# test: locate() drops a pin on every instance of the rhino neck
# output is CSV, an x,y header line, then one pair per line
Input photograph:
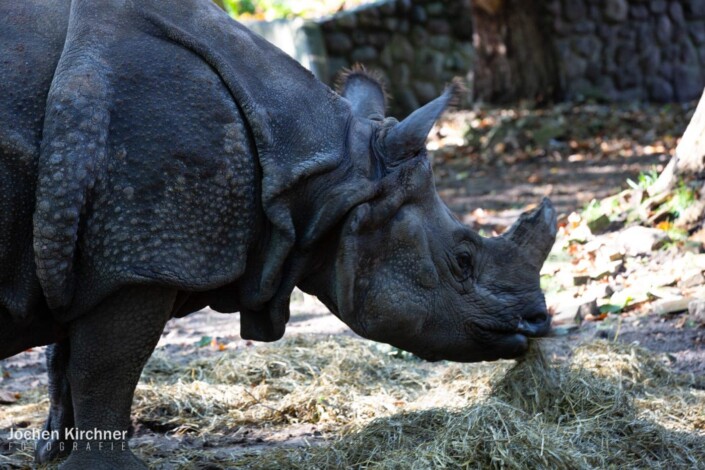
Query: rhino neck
x,y
300,130
319,278
298,124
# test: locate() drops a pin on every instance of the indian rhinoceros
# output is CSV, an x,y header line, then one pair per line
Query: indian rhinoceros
x,y
156,157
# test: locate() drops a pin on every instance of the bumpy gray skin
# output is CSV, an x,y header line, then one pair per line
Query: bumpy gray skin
x,y
156,157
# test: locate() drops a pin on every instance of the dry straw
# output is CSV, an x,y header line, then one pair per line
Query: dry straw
x,y
607,406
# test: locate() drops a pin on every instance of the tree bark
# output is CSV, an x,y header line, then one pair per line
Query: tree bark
x,y
688,163
515,58
689,158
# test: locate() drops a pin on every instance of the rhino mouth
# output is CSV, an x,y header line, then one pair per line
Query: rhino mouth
x,y
534,325
502,342
533,330
514,345
504,345
488,333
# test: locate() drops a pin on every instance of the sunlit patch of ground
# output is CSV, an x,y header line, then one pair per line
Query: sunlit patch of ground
x,y
346,403
503,160
608,405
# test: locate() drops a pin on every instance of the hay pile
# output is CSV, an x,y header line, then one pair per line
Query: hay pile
x,y
331,383
611,405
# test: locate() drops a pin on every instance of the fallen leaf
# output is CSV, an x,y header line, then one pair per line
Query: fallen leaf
x,y
204,341
610,308
8,398
217,345
599,317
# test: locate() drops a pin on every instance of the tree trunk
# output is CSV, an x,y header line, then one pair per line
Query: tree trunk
x,y
688,162
689,159
514,55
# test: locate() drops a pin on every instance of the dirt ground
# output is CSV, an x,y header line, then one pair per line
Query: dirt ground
x,y
488,195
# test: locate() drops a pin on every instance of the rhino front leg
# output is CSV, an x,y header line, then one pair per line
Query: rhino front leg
x,y
60,417
108,349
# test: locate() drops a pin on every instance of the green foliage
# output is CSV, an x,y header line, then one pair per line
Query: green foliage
x,y
683,197
549,282
592,210
611,308
674,204
618,302
644,180
261,9
276,9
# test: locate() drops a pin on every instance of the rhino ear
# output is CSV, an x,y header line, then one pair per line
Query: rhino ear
x,y
408,138
535,232
364,92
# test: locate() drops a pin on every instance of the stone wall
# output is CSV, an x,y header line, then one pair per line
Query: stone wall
x,y
622,50
418,46
611,50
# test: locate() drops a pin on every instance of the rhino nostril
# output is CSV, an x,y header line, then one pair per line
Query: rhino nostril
x,y
536,318
534,324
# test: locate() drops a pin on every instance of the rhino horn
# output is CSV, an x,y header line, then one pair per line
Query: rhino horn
x,y
535,232
408,138
364,92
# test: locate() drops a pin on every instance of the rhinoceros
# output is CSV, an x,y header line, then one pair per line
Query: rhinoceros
x,y
156,157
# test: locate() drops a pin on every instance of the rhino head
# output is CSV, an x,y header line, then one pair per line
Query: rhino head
x,y
407,272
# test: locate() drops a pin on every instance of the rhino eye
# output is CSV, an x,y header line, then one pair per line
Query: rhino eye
x,y
464,261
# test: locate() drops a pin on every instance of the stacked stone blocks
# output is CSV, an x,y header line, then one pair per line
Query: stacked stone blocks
x,y
624,50
419,46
